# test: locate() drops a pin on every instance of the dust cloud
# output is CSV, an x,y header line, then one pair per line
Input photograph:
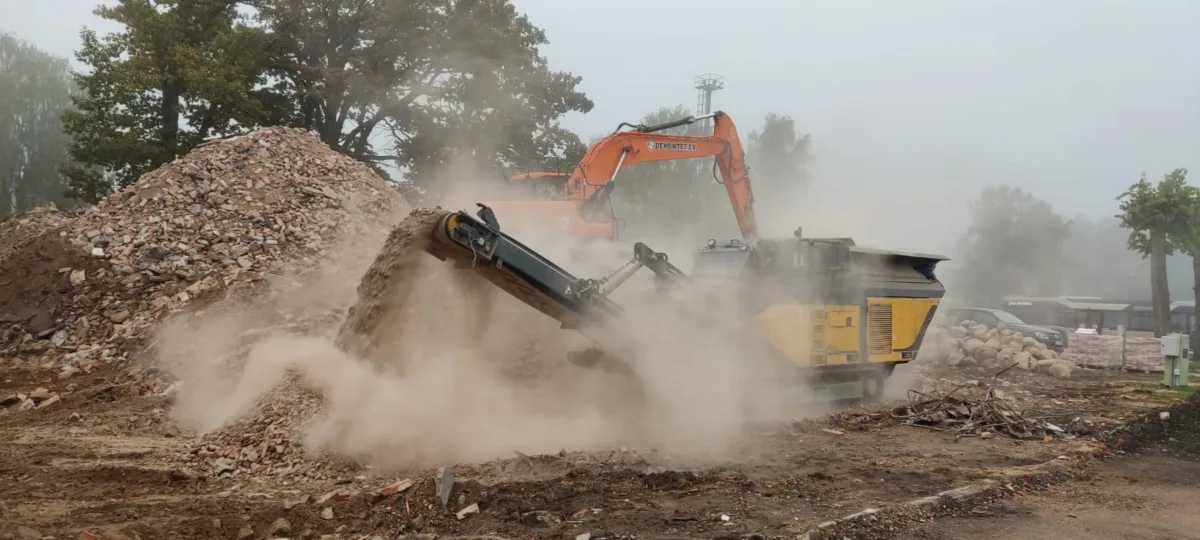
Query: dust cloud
x,y
431,365
431,371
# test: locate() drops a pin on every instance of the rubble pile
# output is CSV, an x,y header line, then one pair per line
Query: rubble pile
x,y
36,399
268,441
228,214
973,344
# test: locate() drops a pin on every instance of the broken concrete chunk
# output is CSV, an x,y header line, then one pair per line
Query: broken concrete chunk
x,y
398,486
332,496
280,527
472,509
292,503
49,401
224,465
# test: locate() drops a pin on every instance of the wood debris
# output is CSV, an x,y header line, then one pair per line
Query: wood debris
x,y
955,412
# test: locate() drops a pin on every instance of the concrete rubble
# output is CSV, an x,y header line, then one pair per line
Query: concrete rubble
x,y
227,218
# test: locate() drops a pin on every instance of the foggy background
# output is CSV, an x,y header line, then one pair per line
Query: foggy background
x,y
914,107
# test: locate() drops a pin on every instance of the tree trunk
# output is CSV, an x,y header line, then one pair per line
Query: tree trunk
x,y
169,116
1195,329
1159,292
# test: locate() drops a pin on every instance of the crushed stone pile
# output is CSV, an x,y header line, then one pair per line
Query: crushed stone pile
x,y
268,441
224,217
387,286
974,344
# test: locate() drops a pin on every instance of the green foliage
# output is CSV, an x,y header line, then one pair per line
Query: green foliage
x,y
1185,237
451,82
1167,208
1014,246
1158,218
180,71
778,158
35,88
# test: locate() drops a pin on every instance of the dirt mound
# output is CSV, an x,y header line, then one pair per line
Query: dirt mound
x,y
1175,430
39,271
19,228
38,287
225,217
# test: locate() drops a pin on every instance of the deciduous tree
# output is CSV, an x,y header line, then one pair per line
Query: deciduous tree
x,y
778,157
1014,246
35,87
444,81
1186,238
1155,215
178,72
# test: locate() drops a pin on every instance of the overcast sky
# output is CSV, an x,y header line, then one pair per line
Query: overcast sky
x,y
913,105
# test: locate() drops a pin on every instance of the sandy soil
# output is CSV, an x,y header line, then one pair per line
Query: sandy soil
x,y
107,460
1127,498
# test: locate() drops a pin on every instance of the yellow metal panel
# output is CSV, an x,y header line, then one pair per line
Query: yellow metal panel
x,y
842,333
907,316
811,335
786,328
817,335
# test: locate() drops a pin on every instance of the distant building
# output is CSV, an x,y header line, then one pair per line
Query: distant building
x,y
1104,314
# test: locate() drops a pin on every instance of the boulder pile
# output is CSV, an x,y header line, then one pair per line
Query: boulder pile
x,y
973,344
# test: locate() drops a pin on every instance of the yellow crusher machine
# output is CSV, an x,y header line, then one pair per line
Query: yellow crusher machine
x,y
842,316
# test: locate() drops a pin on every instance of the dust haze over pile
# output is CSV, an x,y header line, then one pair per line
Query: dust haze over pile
x,y
450,369
463,373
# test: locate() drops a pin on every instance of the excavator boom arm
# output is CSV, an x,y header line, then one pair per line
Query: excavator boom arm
x,y
596,171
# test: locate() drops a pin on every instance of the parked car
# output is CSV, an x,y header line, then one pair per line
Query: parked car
x,y
1054,339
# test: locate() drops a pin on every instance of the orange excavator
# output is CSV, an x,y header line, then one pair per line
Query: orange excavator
x,y
580,206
